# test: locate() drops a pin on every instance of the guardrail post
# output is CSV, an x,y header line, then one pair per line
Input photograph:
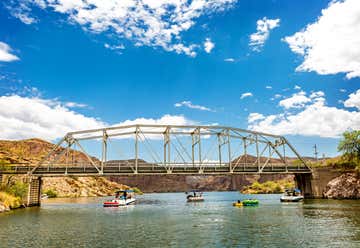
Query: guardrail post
x,y
104,151
229,151
257,152
136,149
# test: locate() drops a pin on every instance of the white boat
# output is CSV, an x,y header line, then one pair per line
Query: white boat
x,y
194,196
292,195
122,198
44,196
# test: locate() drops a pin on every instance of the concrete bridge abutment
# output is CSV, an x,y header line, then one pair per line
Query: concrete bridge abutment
x,y
314,185
34,192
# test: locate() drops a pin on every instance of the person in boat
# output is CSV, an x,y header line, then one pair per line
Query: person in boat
x,y
239,201
117,195
125,195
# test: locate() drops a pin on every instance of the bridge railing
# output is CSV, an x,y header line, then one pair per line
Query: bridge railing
x,y
144,167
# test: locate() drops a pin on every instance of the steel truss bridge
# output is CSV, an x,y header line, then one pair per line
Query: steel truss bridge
x,y
167,149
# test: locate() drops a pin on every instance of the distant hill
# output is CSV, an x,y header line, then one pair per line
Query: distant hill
x,y
32,151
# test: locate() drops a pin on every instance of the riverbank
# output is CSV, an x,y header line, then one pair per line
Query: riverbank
x,y
13,190
268,187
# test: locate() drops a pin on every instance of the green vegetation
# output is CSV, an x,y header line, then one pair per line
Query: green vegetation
x,y
10,201
5,165
18,189
269,187
12,192
51,193
137,191
350,147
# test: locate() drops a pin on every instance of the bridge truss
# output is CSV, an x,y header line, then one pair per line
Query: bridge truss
x,y
169,149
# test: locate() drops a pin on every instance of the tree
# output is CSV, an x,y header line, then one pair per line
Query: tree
x,y
350,145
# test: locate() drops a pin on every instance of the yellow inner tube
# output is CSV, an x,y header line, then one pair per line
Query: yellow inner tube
x,y
237,204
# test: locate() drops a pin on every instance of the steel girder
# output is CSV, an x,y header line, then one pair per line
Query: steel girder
x,y
238,150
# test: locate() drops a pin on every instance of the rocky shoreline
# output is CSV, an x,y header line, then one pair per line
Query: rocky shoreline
x,y
346,186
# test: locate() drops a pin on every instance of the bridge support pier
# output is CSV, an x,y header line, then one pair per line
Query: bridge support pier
x,y
34,192
303,182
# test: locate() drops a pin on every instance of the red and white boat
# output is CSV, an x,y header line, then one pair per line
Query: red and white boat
x,y
122,198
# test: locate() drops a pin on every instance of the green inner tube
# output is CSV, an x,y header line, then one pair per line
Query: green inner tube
x,y
250,202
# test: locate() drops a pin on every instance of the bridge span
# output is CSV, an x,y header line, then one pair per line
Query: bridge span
x,y
165,149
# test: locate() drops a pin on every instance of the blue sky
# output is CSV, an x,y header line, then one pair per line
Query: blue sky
x,y
68,61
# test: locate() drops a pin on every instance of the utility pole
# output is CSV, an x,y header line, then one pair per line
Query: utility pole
x,y
315,152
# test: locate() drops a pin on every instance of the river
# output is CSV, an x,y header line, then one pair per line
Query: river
x,y
166,220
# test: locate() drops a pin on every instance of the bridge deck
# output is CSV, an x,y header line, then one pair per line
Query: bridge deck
x,y
148,170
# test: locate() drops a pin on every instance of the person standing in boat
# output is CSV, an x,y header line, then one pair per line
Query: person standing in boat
x,y
125,195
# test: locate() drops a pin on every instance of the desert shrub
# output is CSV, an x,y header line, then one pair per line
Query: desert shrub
x,y
9,200
137,191
51,193
268,187
18,189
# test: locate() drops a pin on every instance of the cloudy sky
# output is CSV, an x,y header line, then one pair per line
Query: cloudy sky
x,y
285,67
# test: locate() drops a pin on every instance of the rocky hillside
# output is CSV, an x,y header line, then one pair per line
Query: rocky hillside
x,y
33,150
81,186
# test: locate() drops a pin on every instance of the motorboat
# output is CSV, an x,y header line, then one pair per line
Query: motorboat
x,y
44,196
194,196
122,198
292,195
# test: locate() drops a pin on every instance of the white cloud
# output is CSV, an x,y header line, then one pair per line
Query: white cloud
x,y
24,117
246,94
268,87
29,117
114,47
297,87
353,100
255,117
342,90
208,45
276,96
264,26
5,53
75,105
159,23
331,44
229,60
314,119
297,100
164,120
189,104
317,94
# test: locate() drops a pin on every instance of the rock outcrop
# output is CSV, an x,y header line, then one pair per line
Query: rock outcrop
x,y
3,208
346,186
81,186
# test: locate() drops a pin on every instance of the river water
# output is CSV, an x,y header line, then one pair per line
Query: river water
x,y
166,220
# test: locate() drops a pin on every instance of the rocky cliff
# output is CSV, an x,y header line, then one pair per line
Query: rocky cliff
x,y
81,186
346,186
178,183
